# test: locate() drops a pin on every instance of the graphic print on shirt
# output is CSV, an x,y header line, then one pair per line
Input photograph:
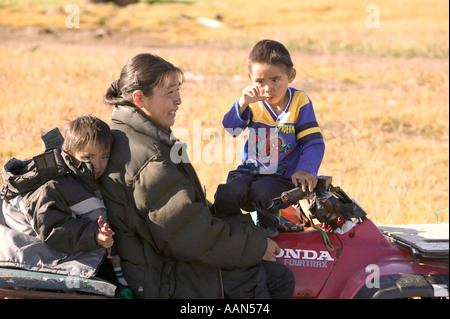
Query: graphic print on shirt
x,y
266,146
262,148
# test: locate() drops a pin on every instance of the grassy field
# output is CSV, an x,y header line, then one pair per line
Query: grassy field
x,y
381,94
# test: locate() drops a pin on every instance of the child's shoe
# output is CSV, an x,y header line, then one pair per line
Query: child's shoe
x,y
124,292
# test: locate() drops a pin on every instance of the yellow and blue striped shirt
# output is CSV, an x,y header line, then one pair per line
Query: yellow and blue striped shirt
x,y
280,144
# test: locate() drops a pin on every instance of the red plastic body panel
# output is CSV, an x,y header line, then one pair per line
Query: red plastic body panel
x,y
321,273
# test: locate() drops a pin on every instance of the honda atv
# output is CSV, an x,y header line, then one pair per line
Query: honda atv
x,y
345,255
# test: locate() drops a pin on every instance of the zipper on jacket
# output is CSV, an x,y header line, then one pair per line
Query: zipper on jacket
x,y
172,280
221,292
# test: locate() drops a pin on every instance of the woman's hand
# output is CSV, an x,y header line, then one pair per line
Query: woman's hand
x,y
272,250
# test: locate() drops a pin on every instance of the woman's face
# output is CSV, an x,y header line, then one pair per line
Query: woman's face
x,y
162,106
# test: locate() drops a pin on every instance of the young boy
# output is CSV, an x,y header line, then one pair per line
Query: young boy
x,y
89,139
58,221
284,148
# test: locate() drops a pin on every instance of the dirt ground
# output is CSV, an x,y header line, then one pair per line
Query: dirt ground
x,y
34,38
26,38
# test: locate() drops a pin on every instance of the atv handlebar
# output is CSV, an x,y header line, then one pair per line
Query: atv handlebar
x,y
329,203
296,194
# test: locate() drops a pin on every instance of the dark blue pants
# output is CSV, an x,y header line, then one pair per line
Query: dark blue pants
x,y
252,192
264,280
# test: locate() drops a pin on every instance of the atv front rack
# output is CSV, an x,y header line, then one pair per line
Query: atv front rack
x,y
426,241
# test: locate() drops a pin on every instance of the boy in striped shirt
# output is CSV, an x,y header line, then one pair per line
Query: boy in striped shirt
x,y
284,147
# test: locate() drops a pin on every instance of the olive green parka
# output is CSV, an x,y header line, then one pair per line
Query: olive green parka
x,y
170,244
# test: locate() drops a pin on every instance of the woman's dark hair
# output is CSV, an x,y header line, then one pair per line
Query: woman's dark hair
x,y
270,52
143,72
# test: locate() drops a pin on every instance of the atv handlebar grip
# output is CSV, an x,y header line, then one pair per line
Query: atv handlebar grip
x,y
293,195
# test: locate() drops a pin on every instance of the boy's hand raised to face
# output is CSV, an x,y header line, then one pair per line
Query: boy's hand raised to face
x,y
249,95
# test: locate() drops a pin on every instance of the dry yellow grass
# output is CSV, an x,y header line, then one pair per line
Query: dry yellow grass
x,y
380,95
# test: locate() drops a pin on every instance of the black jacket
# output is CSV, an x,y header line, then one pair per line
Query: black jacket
x,y
52,228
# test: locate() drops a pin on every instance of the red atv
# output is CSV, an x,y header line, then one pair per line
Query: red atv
x,y
347,256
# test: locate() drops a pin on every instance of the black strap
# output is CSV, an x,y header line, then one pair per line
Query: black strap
x,y
53,139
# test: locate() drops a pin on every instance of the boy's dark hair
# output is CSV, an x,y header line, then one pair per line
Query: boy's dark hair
x,y
270,52
84,131
143,72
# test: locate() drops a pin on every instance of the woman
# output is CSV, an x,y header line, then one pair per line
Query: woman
x,y
170,244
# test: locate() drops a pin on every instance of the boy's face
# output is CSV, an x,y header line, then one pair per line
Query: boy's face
x,y
272,81
97,156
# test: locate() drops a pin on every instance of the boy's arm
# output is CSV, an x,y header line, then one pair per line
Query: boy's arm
x,y
239,116
311,156
55,225
234,122
309,136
